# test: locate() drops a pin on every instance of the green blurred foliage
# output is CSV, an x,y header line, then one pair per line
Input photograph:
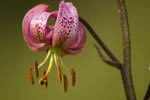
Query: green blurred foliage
x,y
95,79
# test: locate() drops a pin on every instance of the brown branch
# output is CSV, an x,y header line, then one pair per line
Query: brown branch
x,y
99,41
126,70
106,60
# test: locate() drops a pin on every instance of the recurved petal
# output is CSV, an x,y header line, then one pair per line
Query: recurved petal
x,y
79,44
26,27
39,29
66,26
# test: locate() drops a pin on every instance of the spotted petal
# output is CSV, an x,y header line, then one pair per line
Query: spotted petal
x,y
66,26
79,44
37,34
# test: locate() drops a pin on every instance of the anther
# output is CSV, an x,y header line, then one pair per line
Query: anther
x,y
73,77
36,69
65,83
30,75
59,73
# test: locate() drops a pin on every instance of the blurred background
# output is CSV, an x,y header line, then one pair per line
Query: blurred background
x,y
95,79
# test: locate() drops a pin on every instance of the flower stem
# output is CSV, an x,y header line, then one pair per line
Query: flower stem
x,y
99,41
126,69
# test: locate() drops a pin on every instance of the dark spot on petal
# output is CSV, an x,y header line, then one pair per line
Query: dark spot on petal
x,y
64,18
60,13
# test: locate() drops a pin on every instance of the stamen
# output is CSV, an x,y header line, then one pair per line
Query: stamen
x,y
73,76
65,83
36,69
30,75
58,67
46,58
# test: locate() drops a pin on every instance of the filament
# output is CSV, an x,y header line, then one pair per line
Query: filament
x,y
59,56
58,67
46,58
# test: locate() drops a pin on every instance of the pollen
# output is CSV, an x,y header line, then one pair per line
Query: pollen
x,y
73,77
36,69
65,83
30,75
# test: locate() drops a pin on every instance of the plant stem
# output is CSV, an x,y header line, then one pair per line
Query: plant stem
x,y
126,69
128,83
99,41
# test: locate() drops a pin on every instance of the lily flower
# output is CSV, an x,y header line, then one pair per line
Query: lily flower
x,y
66,37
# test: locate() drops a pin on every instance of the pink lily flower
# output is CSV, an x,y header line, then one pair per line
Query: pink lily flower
x,y
67,36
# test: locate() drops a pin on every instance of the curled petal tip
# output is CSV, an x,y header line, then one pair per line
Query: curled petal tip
x,y
26,27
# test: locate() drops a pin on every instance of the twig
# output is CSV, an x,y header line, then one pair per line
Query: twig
x,y
99,41
126,70
106,60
